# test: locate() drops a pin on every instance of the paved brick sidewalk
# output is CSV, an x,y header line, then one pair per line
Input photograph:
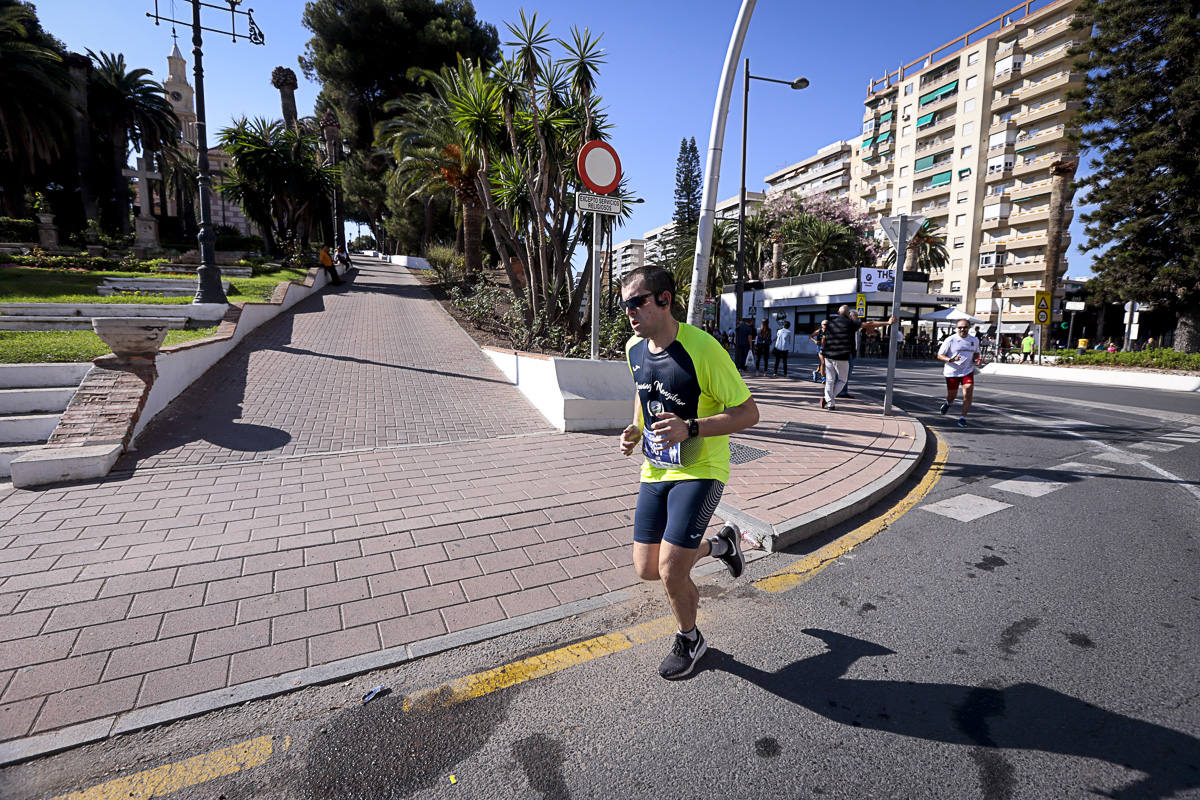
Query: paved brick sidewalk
x,y
151,594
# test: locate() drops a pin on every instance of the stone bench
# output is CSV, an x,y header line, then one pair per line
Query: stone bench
x,y
167,287
78,316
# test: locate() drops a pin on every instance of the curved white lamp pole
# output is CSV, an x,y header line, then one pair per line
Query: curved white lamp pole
x,y
712,167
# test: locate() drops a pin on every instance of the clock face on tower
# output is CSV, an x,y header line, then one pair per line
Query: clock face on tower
x,y
176,96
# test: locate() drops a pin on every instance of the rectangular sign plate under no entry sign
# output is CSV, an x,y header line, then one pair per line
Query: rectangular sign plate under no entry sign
x,y
598,204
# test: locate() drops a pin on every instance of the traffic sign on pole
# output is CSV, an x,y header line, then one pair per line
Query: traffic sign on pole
x,y
599,166
860,304
1041,307
891,226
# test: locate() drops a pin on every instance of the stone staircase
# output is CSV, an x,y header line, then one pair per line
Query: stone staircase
x,y
78,316
32,399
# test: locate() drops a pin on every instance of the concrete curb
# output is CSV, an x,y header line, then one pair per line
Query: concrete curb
x,y
96,730
788,532
1101,377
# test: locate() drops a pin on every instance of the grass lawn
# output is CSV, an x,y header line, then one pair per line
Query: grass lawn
x,y
31,285
36,347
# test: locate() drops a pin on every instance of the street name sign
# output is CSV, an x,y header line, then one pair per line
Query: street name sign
x,y
1041,307
598,204
948,298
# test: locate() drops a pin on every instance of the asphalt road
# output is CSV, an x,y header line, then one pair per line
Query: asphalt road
x,y
1027,630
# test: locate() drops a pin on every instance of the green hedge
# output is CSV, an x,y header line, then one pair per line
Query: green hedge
x,y
1161,358
17,230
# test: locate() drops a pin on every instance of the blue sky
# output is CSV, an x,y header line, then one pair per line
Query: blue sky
x,y
664,60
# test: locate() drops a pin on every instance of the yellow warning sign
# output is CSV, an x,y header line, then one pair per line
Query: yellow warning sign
x,y
860,304
1041,304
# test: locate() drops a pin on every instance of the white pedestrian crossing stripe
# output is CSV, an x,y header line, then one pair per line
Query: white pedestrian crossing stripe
x,y
1029,485
1086,469
1155,447
1119,457
1181,437
966,507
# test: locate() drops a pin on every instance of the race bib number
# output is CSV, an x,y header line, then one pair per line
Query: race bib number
x,y
659,456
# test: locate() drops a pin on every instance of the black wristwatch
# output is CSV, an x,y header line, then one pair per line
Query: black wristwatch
x,y
693,428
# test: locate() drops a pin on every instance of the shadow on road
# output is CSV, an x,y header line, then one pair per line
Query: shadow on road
x,y
1023,716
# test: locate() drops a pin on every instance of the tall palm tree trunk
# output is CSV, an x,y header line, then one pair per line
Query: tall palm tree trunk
x,y
472,229
1061,173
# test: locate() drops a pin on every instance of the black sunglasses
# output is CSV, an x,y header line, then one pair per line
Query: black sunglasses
x,y
637,301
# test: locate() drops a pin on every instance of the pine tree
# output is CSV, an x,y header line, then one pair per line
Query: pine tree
x,y
1141,114
686,219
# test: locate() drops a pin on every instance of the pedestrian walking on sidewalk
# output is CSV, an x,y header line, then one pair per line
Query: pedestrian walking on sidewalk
x,y
783,347
743,338
689,398
818,338
762,347
1027,348
959,352
839,349
327,265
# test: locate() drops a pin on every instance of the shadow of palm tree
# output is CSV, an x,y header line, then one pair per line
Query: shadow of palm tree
x,y
1023,716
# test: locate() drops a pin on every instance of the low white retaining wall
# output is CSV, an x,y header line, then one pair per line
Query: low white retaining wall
x,y
573,394
1101,377
412,262
179,366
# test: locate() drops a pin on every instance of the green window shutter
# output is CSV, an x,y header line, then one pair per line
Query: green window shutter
x,y
883,137
1027,149
925,120
941,179
884,118
923,163
964,173
868,142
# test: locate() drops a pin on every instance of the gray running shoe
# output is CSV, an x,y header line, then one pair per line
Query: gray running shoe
x,y
945,407
734,560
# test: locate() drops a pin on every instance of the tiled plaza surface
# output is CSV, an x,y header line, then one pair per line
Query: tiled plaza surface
x,y
370,520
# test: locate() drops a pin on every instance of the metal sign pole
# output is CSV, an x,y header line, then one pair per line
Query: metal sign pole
x,y
897,293
595,290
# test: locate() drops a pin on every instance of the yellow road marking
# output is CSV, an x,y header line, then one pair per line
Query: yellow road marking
x,y
792,576
488,681
182,774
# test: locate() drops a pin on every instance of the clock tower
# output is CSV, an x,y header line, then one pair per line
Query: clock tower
x,y
179,93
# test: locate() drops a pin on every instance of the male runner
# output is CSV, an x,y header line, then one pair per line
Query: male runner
x,y
690,397
959,352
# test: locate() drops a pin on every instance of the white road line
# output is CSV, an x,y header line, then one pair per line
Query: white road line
x,y
1191,488
966,507
1029,485
1155,447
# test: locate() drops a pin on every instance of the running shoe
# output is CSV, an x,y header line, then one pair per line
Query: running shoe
x,y
945,407
734,560
684,654
962,422
822,402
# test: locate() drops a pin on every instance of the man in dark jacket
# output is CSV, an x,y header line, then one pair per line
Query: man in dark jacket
x,y
743,339
839,347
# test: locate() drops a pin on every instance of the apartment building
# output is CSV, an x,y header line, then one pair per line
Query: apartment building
x,y
826,171
633,253
965,136
628,255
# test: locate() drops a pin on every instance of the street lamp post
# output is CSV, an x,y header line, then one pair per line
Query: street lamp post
x,y
798,83
334,149
208,275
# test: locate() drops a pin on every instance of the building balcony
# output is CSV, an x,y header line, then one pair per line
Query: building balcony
x,y
933,207
932,143
1028,166
1007,76
994,246
1055,82
1058,53
1042,136
937,126
993,223
1002,147
1005,100
938,75
985,271
932,191
1003,126
998,172
879,166
945,101
1040,215
1027,266
936,165
879,204
1047,33
1046,111
1030,190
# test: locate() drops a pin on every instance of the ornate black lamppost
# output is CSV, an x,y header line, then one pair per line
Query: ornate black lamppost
x,y
334,149
209,274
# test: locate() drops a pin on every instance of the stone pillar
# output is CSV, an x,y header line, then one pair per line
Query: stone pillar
x,y
47,232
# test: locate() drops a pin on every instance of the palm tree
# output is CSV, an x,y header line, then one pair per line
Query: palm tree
x,y
36,112
130,109
926,250
431,159
278,177
811,244
1061,173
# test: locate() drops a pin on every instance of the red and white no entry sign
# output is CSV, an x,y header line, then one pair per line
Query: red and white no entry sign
x,y
599,167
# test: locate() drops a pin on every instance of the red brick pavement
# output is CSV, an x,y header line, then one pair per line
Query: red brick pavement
x,y
169,583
